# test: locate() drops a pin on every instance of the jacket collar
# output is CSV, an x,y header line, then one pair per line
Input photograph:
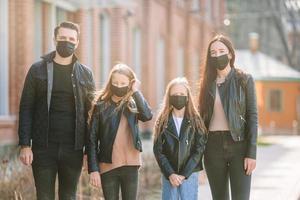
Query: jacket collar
x,y
212,90
50,56
171,127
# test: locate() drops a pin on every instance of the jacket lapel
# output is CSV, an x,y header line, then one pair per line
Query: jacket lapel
x,y
171,128
183,127
50,82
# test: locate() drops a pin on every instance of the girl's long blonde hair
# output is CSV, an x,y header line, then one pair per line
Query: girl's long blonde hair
x,y
105,93
191,111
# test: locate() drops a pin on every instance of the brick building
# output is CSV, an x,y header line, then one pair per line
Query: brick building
x,y
159,39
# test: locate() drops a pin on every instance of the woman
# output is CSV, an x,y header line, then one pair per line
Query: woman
x,y
179,142
228,107
114,144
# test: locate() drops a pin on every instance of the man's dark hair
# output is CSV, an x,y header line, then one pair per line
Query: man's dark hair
x,y
69,25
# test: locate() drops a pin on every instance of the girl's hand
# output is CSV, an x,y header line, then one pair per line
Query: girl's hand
x,y
95,179
175,180
135,85
182,178
249,165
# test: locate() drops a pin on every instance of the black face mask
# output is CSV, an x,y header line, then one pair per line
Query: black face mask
x,y
220,62
119,91
65,48
178,101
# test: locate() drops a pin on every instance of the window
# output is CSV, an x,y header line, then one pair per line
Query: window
x,y
160,70
196,68
4,105
137,52
208,5
275,100
180,61
105,48
195,6
38,29
61,15
90,40
180,3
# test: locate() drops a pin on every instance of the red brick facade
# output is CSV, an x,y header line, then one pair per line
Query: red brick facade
x,y
175,23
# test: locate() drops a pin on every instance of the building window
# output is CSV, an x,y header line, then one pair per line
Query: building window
x,y
137,52
160,70
180,3
180,61
275,100
105,48
38,42
61,15
4,85
90,40
196,68
195,6
208,5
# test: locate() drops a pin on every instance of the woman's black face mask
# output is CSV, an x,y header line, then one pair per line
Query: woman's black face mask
x,y
220,62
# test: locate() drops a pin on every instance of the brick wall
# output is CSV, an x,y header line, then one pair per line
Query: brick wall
x,y
155,18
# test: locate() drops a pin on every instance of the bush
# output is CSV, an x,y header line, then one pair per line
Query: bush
x,y
16,180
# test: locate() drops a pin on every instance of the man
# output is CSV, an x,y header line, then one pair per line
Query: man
x,y
54,106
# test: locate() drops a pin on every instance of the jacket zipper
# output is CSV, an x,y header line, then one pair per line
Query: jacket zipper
x,y
242,118
178,148
76,103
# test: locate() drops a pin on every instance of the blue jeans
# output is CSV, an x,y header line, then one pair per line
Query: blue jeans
x,y
188,190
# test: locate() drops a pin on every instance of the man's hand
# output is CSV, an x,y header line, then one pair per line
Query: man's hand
x,y
26,155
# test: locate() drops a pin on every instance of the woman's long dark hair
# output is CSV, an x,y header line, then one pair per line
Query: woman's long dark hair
x,y
209,75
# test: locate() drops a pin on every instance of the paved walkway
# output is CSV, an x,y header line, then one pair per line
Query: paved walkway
x,y
277,175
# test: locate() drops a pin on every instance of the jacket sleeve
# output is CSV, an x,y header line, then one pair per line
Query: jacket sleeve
x,y
161,158
93,141
197,154
88,103
143,107
26,110
251,119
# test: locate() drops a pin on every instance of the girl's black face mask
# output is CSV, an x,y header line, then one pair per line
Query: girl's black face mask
x,y
220,62
119,91
178,101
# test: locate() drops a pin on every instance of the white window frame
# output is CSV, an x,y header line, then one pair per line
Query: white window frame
x,y
160,69
4,75
105,47
38,38
137,52
180,61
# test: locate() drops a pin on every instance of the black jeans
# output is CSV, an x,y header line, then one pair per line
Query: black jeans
x,y
57,159
125,177
224,162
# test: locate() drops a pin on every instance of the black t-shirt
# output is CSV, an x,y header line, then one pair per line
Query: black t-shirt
x,y
62,105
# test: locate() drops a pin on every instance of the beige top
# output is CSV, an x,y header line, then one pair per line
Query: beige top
x,y
124,153
218,121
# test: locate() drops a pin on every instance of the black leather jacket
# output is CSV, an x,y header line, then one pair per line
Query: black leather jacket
x,y
36,97
104,126
238,98
181,155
